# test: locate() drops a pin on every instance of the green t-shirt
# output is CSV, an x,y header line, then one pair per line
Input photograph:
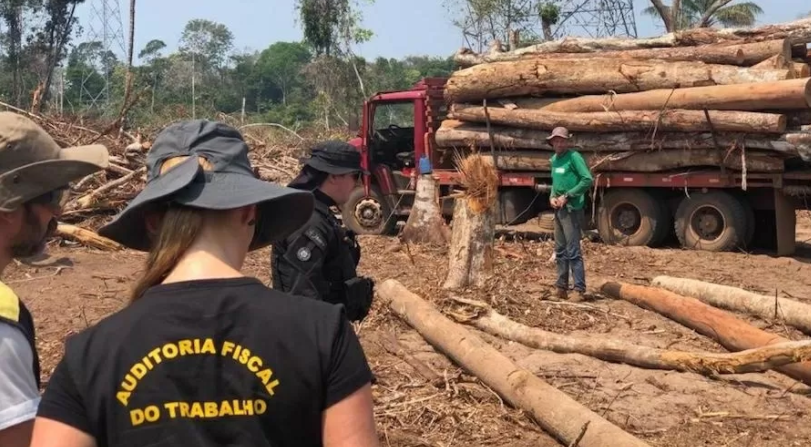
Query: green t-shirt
x,y
570,176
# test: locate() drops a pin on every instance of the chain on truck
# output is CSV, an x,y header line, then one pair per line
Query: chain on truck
x,y
701,208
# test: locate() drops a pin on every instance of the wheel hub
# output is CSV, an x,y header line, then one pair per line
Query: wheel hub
x,y
708,223
626,219
369,212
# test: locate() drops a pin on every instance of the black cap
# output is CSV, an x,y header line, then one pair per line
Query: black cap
x,y
230,184
335,157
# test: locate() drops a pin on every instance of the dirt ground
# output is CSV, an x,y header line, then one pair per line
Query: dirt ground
x,y
73,287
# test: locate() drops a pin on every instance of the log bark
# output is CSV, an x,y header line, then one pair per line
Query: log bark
x,y
555,411
425,224
775,62
470,258
742,54
628,121
769,308
87,237
795,32
618,351
801,69
593,76
652,161
721,326
461,135
788,94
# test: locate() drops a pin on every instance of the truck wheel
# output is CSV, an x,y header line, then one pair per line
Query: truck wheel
x,y
630,217
715,221
368,214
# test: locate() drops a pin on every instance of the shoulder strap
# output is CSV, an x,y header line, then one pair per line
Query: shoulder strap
x,y
9,304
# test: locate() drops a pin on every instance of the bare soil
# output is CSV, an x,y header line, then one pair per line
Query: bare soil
x,y
73,287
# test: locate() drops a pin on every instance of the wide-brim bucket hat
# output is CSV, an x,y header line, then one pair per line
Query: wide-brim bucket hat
x,y
230,184
32,163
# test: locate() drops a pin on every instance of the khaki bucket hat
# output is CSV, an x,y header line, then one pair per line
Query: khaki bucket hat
x,y
32,164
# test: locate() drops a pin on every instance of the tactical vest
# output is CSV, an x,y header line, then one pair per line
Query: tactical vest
x,y
14,313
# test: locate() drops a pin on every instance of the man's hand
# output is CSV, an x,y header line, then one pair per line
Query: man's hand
x,y
562,200
554,202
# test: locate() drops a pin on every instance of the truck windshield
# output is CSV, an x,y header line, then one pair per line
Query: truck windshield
x,y
393,115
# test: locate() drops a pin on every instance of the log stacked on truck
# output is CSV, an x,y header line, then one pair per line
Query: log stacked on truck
x,y
737,98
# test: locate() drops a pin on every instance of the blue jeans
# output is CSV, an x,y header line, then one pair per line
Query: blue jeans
x,y
567,249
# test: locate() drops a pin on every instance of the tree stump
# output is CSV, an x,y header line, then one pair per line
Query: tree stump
x,y
474,223
425,224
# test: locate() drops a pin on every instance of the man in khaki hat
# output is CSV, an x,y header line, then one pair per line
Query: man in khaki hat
x,y
34,177
571,179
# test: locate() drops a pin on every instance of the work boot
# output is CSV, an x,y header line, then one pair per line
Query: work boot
x,y
576,297
561,295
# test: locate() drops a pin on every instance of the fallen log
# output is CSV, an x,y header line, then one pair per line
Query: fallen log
x,y
775,62
721,326
651,161
425,224
742,54
593,76
462,135
770,308
470,257
88,199
554,411
801,69
629,121
788,94
617,351
87,237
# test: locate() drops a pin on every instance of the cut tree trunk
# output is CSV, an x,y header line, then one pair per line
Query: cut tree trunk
x,y
788,94
87,237
653,161
721,326
593,76
471,249
627,121
801,69
769,308
777,61
425,224
555,411
618,351
795,32
462,136
743,54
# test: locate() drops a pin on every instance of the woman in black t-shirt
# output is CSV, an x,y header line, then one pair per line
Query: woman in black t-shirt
x,y
204,356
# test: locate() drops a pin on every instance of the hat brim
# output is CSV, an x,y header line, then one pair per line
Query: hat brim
x,y
280,210
321,165
73,164
565,137
129,227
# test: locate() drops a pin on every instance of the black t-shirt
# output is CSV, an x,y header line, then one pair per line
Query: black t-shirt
x,y
224,362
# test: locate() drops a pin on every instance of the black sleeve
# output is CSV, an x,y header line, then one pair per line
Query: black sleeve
x,y
306,253
347,369
62,402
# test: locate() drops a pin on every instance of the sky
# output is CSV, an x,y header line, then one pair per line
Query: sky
x,y
400,27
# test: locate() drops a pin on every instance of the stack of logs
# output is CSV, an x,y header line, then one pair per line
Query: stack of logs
x,y
737,98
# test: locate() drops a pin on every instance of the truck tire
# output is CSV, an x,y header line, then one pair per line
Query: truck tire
x,y
368,215
714,221
631,217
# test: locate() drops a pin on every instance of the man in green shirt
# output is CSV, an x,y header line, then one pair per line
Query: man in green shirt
x,y
571,179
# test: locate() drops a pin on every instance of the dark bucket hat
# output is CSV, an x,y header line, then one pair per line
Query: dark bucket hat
x,y
335,157
231,184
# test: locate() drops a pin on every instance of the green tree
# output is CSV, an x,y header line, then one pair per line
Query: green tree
x,y
683,14
282,64
484,22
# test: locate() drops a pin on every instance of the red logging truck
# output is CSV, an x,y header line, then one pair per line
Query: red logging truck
x,y
705,209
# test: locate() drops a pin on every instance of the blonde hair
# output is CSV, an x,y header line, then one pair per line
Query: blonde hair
x,y
178,229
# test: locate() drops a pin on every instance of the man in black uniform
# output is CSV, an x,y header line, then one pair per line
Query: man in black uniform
x,y
319,260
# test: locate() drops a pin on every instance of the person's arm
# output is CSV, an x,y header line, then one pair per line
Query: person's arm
x,y
348,418
583,172
19,395
62,419
306,253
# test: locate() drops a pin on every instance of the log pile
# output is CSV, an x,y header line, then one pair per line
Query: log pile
x,y
738,98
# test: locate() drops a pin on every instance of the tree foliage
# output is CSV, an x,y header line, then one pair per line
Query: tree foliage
x,y
683,14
